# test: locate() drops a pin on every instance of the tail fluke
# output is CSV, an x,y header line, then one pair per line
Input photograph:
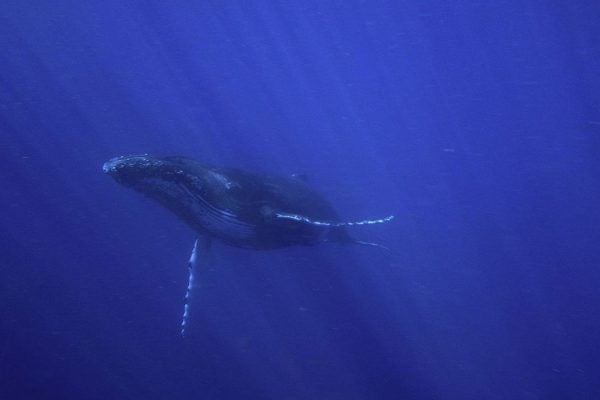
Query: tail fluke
x,y
360,242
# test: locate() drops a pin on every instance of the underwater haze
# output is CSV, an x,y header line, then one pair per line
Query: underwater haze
x,y
476,124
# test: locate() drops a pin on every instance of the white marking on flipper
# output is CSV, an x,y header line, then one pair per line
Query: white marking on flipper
x,y
202,244
301,218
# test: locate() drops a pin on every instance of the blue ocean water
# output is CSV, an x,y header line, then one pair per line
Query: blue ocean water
x,y
477,124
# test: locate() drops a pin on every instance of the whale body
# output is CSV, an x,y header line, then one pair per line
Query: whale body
x,y
241,208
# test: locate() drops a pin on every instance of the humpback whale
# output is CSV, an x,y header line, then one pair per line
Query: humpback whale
x,y
240,208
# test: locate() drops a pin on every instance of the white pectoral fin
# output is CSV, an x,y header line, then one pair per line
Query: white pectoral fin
x,y
302,218
346,239
199,259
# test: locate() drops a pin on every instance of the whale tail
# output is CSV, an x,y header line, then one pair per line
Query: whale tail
x,y
370,244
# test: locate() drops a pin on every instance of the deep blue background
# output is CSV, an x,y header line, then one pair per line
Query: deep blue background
x,y
477,124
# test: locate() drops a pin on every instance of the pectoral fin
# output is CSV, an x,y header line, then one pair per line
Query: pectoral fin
x,y
301,218
199,259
